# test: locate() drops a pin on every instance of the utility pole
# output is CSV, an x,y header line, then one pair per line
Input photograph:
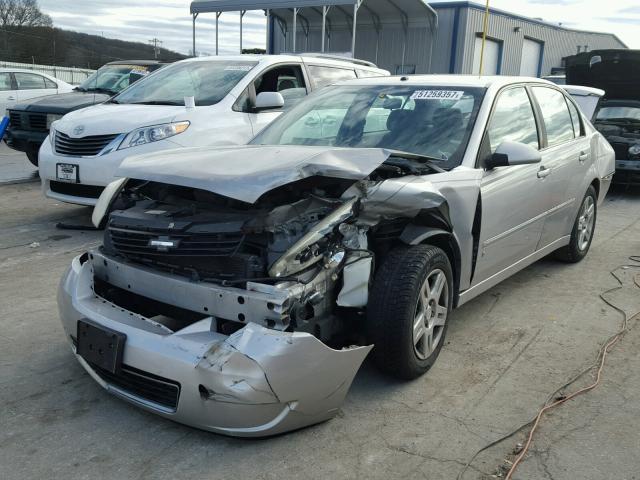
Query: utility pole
x,y
156,46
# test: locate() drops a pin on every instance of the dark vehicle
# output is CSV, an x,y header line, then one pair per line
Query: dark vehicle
x,y
617,116
29,122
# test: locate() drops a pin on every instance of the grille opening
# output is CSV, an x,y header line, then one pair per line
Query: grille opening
x,y
38,121
81,147
76,189
172,317
15,119
150,387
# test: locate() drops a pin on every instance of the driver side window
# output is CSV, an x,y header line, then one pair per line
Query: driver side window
x,y
512,120
288,80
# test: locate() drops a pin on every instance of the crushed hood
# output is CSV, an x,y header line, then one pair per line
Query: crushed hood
x,y
617,72
245,173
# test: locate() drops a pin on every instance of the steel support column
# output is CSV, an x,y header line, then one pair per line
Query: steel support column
x,y
217,18
195,15
242,12
295,28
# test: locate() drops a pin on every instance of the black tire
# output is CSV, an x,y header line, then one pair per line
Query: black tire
x,y
393,306
33,158
577,250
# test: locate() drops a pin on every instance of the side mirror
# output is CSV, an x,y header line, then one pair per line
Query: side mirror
x,y
511,154
268,101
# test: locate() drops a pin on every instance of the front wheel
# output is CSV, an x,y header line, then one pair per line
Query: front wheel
x,y
408,309
583,229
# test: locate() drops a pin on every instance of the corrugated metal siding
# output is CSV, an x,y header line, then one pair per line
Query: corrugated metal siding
x,y
385,49
558,43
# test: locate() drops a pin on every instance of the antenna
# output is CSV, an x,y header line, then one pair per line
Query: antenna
x,y
156,46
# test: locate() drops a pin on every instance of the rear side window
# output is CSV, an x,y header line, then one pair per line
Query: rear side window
x,y
575,119
368,73
5,82
557,119
29,81
49,83
321,76
512,120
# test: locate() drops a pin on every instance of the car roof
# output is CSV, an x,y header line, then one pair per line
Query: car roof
x,y
135,62
272,59
448,80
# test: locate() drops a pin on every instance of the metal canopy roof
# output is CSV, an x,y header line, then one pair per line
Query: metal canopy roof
x,y
380,7
203,6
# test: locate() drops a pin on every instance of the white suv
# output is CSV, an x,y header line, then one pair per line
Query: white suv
x,y
196,102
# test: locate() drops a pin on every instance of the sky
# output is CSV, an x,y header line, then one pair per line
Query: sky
x,y
170,21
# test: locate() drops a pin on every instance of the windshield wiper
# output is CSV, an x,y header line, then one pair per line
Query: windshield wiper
x,y
80,89
101,90
423,159
157,102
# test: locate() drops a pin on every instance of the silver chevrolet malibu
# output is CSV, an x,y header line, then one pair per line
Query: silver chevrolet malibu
x,y
239,289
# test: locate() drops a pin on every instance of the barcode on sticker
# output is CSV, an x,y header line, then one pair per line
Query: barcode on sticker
x,y
238,68
437,95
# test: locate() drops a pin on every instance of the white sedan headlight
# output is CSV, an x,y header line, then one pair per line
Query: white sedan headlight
x,y
52,117
141,136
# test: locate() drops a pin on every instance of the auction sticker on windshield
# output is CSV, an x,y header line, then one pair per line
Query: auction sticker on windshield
x,y
437,95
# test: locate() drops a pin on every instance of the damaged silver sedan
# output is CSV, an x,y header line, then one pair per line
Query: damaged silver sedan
x,y
239,289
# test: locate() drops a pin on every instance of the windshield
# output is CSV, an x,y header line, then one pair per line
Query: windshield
x,y
114,78
619,113
207,81
432,121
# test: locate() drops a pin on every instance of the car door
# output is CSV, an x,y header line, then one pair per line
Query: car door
x,y
513,198
564,157
8,91
31,85
288,80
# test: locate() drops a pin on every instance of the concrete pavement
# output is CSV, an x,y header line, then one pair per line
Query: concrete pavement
x,y
505,352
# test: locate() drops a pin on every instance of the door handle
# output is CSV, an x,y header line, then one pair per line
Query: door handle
x,y
11,98
544,172
583,157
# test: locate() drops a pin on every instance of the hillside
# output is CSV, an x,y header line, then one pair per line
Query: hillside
x,y
54,46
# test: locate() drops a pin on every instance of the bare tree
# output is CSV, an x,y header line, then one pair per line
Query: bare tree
x,y
23,13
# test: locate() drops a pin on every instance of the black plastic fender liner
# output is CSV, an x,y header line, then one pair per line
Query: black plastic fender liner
x,y
414,234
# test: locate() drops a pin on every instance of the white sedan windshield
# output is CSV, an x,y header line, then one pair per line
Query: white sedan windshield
x,y
433,121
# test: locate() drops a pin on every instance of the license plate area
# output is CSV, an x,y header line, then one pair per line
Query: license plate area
x,y
100,346
67,172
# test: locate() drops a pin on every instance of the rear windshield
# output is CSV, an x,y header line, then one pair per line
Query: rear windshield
x,y
207,81
619,113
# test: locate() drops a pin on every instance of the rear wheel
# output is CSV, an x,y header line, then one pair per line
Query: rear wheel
x,y
33,157
583,229
407,315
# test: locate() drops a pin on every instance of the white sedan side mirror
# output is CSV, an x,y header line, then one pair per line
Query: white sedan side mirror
x,y
269,101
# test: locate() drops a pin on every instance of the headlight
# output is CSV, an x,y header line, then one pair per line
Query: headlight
x,y
52,118
634,151
304,252
143,135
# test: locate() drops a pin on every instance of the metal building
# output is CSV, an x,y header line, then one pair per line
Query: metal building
x,y
412,36
516,45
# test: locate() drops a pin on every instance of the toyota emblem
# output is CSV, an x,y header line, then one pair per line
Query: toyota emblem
x,y
78,130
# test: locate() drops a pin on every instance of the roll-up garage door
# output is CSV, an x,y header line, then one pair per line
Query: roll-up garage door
x,y
492,52
531,56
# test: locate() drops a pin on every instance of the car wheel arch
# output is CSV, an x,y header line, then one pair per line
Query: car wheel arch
x,y
414,234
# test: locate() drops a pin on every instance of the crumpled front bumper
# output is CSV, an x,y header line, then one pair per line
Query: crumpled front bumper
x,y
255,382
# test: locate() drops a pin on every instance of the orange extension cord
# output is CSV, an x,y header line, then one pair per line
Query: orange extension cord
x,y
611,341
